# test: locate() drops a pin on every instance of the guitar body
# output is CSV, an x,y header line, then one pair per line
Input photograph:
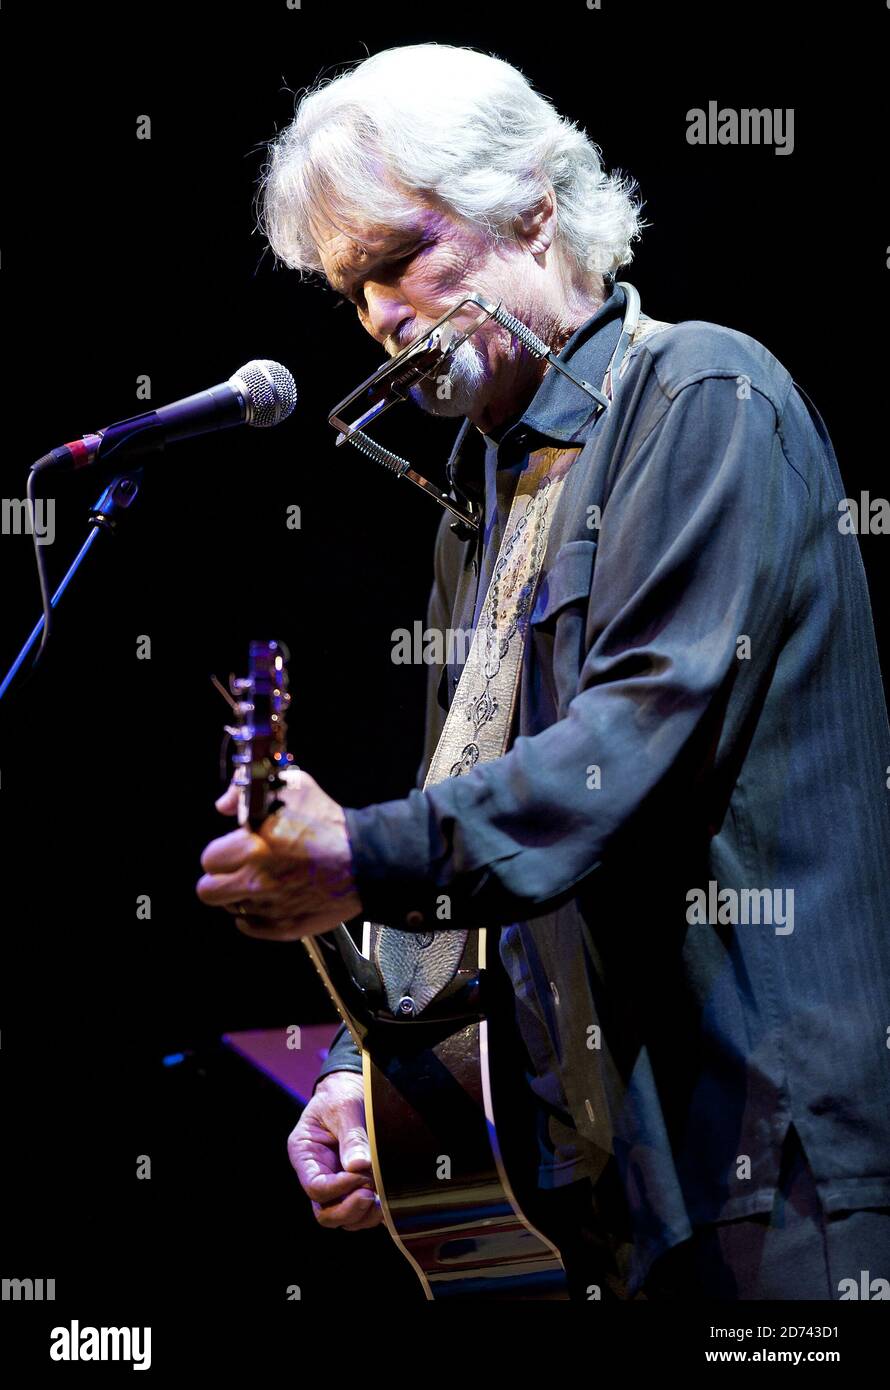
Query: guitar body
x,y
440,1169
450,1180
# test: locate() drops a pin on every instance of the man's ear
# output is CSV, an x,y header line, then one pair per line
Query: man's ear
x,y
536,227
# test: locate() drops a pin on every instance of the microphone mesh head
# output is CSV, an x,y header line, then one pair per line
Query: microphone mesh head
x,y
269,392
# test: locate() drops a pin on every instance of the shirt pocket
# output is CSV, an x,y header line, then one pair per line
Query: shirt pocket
x,y
558,620
567,581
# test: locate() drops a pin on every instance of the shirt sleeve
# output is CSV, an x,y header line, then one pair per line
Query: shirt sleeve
x,y
343,1055
697,550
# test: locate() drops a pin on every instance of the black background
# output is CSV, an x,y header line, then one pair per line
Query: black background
x,y
123,257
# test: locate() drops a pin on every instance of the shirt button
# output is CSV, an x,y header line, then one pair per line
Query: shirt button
x,y
413,919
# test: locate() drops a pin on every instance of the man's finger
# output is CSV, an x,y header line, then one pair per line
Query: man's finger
x,y
230,852
373,1217
224,890
227,804
355,1147
326,1188
353,1208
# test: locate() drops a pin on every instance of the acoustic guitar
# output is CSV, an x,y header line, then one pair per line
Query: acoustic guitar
x,y
447,1109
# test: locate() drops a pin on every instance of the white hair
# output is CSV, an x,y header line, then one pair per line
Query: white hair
x,y
460,127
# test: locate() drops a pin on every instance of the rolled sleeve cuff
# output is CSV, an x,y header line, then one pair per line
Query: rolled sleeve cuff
x,y
343,1055
392,859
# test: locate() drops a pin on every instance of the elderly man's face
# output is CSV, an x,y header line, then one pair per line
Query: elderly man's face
x,y
402,282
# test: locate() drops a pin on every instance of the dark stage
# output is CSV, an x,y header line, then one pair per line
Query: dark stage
x,y
125,258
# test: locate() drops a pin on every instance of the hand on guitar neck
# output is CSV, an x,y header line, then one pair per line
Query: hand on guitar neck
x,y
286,873
292,877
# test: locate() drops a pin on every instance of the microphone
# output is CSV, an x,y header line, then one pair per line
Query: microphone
x,y
261,393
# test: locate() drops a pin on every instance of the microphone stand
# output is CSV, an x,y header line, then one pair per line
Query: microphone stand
x,y
117,497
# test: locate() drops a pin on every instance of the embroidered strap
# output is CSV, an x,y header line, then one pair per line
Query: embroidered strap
x,y
415,967
644,329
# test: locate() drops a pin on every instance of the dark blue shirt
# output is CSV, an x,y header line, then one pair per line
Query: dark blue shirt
x,y
686,846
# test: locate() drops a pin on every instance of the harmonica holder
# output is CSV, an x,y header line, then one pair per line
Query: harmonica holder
x,y
429,358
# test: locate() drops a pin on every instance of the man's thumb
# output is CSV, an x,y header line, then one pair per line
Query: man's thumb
x,y
227,804
355,1151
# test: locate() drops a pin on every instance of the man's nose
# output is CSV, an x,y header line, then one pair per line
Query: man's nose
x,y
386,314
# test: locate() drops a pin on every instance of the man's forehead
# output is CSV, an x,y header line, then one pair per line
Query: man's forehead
x,y
356,246
345,251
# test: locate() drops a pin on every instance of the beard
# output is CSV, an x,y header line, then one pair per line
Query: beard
x,y
457,390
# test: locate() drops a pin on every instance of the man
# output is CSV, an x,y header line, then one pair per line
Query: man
x,y
685,846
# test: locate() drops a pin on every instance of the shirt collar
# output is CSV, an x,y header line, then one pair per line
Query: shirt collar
x,y
559,410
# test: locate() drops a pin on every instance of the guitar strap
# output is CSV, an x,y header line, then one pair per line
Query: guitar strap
x,y
414,966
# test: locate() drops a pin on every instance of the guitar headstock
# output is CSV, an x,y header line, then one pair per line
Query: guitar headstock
x,y
260,734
